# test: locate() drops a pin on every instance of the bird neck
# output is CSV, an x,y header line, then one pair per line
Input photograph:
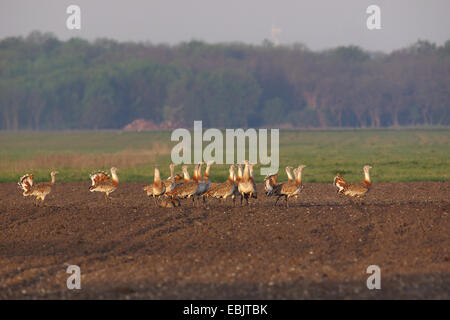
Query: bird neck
x,y
231,176
194,174
298,179
114,177
246,173
199,173
208,167
172,177
366,176
187,177
289,174
157,175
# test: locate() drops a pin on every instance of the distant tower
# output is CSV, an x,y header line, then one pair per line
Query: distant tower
x,y
275,32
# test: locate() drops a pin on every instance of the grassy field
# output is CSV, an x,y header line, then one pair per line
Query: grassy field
x,y
396,155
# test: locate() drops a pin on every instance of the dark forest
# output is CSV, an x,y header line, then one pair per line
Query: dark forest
x,y
48,84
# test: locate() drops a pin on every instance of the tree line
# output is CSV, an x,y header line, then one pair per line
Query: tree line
x,y
49,84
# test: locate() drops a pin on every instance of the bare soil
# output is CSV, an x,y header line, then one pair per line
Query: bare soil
x,y
319,248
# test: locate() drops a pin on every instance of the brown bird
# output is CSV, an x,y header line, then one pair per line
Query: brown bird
x,y
246,186
357,189
185,177
170,182
205,183
225,189
157,188
40,190
290,188
189,189
270,181
102,182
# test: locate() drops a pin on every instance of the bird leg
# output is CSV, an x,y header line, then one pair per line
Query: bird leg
x,y
233,197
287,203
277,201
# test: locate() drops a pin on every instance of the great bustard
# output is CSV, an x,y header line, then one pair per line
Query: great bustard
x,y
102,182
225,189
246,186
157,188
170,182
189,189
290,188
270,181
40,190
357,189
205,181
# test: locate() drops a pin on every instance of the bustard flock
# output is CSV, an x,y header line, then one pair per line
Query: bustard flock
x,y
169,192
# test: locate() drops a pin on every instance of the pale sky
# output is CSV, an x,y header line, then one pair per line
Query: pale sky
x,y
319,24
